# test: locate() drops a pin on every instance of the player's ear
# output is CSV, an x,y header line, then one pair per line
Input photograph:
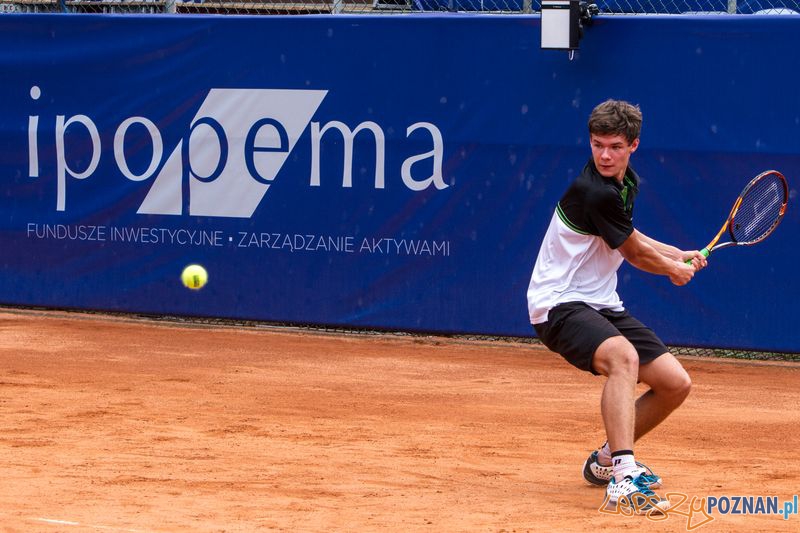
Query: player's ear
x,y
634,145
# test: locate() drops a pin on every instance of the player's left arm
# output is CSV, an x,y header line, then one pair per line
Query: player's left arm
x,y
676,254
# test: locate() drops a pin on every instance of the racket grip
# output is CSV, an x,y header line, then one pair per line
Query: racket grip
x,y
705,251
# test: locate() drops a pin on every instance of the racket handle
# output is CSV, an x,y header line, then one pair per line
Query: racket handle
x,y
705,251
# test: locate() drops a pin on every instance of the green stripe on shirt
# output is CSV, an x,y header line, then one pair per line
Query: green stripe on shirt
x,y
567,221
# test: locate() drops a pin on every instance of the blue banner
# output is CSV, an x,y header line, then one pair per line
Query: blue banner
x,y
381,172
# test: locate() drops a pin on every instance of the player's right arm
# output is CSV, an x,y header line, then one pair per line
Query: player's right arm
x,y
638,251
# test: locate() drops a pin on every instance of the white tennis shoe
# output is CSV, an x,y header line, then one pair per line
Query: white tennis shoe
x,y
635,493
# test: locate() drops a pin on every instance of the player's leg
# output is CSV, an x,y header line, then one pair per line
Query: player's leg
x,y
588,340
670,383
616,358
669,386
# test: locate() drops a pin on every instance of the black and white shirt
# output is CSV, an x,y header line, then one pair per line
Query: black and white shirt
x,y
579,259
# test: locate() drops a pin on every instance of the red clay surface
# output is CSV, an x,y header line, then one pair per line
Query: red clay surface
x,y
113,424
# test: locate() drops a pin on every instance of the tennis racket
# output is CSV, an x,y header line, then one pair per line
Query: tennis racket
x,y
756,213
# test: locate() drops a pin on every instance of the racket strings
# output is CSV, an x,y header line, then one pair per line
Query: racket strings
x,y
760,211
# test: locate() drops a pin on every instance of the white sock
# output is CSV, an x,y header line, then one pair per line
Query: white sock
x,y
623,464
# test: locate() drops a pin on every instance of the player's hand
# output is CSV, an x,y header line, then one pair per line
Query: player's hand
x,y
698,260
682,273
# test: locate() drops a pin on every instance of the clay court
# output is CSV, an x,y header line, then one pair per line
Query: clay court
x,y
126,424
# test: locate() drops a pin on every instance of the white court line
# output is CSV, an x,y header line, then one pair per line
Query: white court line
x,y
70,523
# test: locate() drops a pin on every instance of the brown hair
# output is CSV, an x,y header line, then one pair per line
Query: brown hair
x,y
616,117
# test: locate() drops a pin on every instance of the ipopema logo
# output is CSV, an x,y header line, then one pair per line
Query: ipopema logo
x,y
236,133
231,152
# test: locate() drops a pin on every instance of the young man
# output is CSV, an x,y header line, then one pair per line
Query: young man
x,y
576,312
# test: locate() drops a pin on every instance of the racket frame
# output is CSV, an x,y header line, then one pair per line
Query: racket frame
x,y
712,245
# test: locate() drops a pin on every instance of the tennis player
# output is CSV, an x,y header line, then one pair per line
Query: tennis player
x,y
576,311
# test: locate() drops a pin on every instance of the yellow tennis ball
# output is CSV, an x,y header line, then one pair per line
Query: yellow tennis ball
x,y
194,277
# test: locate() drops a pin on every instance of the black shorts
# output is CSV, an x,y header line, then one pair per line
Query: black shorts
x,y
575,331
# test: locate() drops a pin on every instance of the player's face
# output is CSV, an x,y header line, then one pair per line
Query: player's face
x,y
611,154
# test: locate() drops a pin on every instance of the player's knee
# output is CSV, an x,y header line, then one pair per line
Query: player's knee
x,y
681,388
675,389
617,357
629,361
